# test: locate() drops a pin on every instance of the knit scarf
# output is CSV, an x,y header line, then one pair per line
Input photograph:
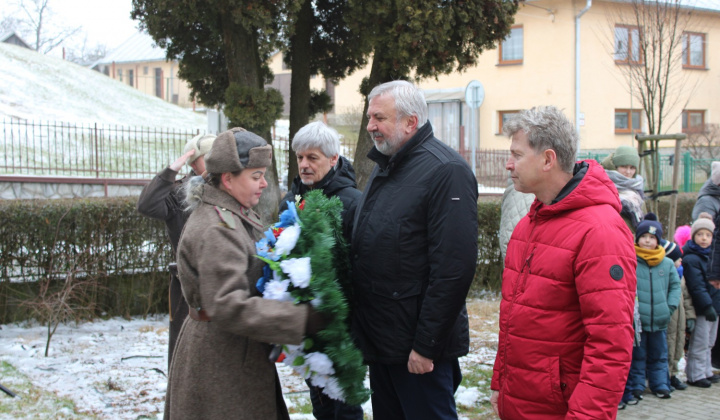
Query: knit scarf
x,y
631,194
697,248
651,256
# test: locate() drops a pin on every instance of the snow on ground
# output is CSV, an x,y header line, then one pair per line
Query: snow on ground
x,y
116,368
39,87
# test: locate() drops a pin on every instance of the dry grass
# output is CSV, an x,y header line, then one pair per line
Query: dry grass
x,y
483,317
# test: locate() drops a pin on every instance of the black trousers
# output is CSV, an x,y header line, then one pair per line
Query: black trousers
x,y
325,408
399,394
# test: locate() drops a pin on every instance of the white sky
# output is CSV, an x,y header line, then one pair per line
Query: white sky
x,y
103,21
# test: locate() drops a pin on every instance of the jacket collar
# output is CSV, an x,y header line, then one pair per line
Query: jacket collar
x,y
579,172
217,197
337,178
388,162
589,186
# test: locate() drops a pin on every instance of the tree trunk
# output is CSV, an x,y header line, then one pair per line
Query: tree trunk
x,y
300,80
243,63
378,75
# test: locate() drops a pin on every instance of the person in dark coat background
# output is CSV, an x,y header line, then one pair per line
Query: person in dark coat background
x,y
706,300
709,202
161,199
320,166
414,251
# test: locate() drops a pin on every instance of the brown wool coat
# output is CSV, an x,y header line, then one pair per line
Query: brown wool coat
x,y
220,369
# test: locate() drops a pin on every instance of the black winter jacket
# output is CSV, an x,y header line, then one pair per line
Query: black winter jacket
x,y
338,182
695,268
414,251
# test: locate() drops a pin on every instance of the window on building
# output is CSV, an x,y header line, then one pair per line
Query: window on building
x,y
119,74
693,50
159,82
627,45
511,49
503,117
131,78
627,121
145,70
693,121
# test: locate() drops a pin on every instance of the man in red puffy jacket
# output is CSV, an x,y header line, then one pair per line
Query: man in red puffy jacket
x,y
568,291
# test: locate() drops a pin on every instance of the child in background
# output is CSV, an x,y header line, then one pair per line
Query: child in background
x,y
682,235
682,320
658,293
706,300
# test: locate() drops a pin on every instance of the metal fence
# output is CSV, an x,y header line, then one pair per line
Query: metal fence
x,y
692,176
87,150
57,149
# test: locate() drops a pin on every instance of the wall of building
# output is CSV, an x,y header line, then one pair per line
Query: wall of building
x,y
547,74
172,89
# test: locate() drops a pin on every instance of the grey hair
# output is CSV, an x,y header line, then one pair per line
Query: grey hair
x,y
547,128
192,190
317,135
409,100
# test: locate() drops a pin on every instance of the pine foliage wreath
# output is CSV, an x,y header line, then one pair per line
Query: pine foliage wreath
x,y
311,232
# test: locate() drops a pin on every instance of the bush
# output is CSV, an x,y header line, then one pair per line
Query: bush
x,y
47,242
488,273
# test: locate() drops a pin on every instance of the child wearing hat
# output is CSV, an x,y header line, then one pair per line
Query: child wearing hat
x,y
658,294
706,300
621,167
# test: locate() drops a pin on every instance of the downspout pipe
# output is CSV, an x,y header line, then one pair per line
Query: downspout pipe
x,y
577,69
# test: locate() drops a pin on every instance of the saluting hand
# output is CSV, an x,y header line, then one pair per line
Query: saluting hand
x,y
178,164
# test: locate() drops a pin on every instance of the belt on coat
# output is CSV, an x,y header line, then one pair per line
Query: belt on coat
x,y
200,315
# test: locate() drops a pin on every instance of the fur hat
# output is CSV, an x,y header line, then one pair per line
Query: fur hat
x,y
202,143
672,251
626,156
715,173
237,149
682,234
649,225
704,221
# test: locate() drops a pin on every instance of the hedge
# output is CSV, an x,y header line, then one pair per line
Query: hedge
x,y
103,244
49,242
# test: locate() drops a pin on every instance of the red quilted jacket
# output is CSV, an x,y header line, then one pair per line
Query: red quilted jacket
x,y
566,314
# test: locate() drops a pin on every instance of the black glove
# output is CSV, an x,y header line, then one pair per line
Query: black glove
x,y
710,314
316,321
690,326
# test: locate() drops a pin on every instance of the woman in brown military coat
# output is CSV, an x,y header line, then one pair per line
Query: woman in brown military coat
x,y
220,369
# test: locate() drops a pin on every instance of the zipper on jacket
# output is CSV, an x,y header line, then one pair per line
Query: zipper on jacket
x,y
652,300
526,269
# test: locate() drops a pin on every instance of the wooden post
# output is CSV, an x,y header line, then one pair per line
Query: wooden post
x,y
654,173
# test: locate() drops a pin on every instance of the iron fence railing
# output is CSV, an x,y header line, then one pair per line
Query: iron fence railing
x,y
62,150
87,150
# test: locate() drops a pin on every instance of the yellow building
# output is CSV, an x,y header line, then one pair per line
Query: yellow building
x,y
140,63
571,54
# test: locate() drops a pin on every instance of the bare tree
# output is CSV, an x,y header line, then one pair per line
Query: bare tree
x,y
704,146
37,19
86,54
648,47
67,290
